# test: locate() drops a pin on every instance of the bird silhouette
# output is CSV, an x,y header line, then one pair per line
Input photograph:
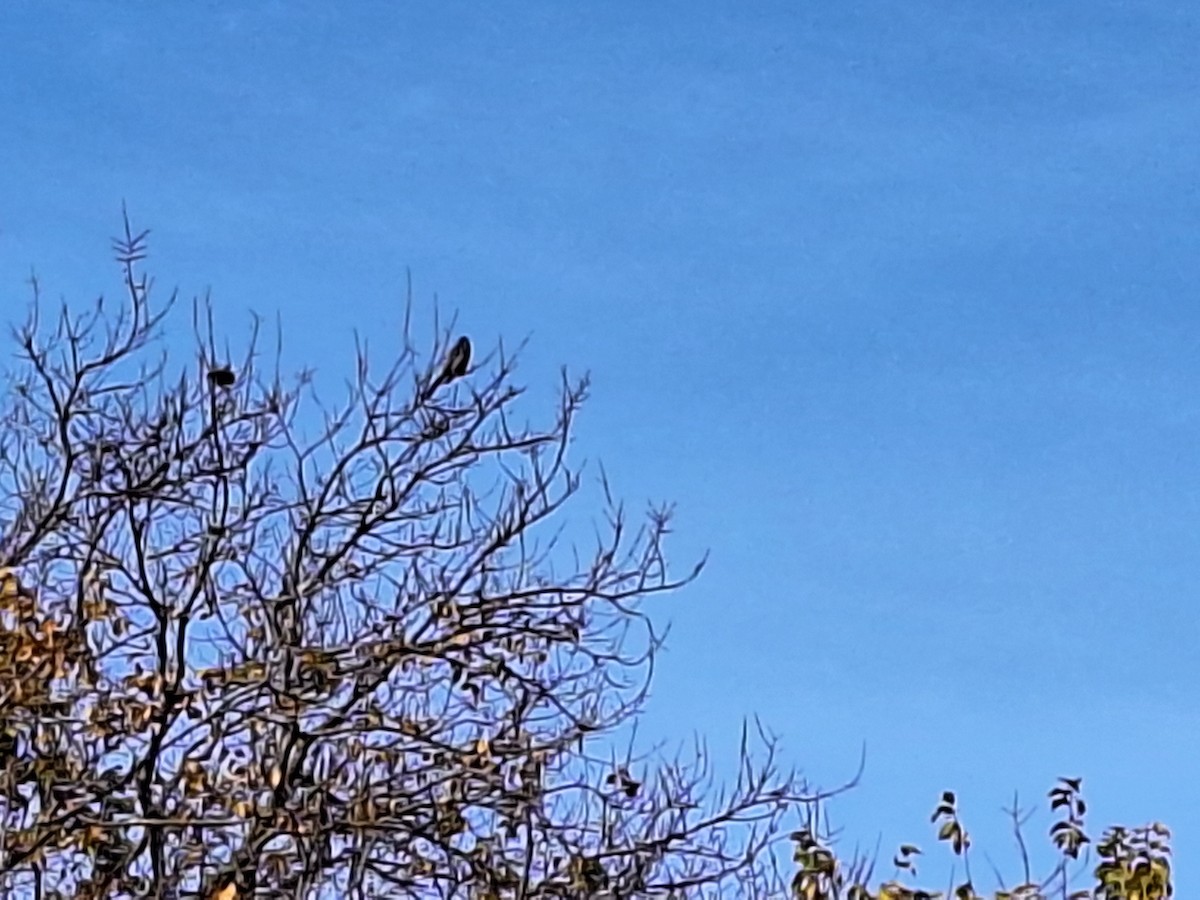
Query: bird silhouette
x,y
458,360
221,376
456,365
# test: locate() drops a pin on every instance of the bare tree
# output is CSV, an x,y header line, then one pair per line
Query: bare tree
x,y
258,645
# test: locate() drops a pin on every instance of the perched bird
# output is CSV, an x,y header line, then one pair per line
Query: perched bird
x,y
221,376
458,360
456,364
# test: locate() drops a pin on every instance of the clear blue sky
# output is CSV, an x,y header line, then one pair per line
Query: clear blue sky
x,y
898,301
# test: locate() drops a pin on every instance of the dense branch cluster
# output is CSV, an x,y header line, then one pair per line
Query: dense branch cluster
x,y
257,645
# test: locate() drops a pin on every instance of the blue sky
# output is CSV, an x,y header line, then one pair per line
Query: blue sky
x,y
896,301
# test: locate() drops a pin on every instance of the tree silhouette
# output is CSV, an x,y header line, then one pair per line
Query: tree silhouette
x,y
257,647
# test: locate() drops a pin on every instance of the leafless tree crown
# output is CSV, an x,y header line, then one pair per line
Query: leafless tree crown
x,y
258,645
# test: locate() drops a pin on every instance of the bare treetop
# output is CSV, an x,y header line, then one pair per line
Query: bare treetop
x,y
250,653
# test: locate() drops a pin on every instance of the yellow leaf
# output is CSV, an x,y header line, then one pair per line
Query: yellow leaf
x,y
10,588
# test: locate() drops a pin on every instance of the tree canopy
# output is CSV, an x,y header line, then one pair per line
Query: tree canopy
x,y
257,644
